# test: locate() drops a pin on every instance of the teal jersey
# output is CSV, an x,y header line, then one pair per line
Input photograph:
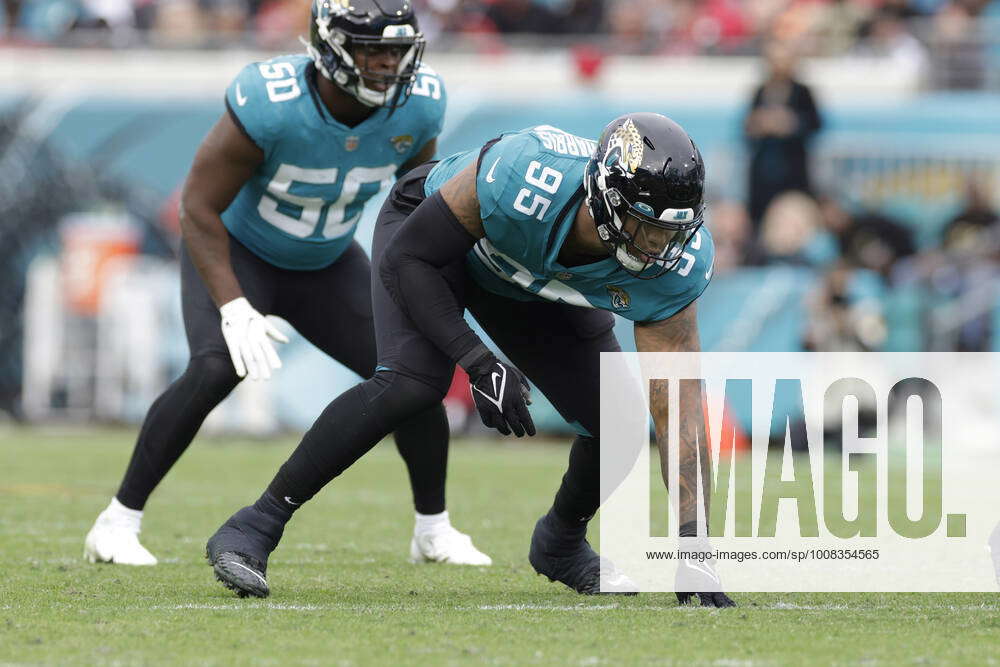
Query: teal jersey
x,y
300,208
530,188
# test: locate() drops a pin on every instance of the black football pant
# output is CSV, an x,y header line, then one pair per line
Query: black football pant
x,y
330,307
556,345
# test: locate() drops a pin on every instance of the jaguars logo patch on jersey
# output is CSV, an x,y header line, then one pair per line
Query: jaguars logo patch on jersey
x,y
402,143
620,300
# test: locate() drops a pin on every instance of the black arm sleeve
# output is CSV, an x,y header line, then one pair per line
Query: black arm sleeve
x,y
431,237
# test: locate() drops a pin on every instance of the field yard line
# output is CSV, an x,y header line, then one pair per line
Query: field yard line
x,y
546,607
238,606
779,606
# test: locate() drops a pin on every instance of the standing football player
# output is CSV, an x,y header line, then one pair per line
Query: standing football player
x,y
269,212
541,235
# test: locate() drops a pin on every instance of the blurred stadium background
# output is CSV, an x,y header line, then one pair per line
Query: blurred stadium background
x,y
891,243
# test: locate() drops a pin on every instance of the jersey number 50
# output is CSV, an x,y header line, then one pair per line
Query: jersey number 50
x,y
341,209
281,83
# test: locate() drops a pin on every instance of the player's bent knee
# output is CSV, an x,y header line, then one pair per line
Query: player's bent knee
x,y
399,397
211,377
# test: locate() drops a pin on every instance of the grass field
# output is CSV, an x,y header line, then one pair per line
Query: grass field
x,y
344,594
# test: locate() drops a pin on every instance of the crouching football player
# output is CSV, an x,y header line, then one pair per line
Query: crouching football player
x,y
269,212
541,235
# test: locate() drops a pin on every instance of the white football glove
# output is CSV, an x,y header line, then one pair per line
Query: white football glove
x,y
247,332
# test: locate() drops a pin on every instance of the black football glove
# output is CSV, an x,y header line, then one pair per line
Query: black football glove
x,y
502,395
696,573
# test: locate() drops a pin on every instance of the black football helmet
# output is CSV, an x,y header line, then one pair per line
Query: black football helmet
x,y
342,32
645,185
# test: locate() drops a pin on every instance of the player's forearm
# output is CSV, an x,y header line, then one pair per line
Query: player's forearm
x,y
692,452
207,243
429,240
679,333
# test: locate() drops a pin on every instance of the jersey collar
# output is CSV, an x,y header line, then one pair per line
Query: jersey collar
x,y
367,125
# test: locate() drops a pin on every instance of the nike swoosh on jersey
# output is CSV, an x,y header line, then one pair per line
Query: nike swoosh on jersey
x,y
490,178
241,99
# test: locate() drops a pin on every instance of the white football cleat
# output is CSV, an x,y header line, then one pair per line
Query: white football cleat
x,y
115,538
444,544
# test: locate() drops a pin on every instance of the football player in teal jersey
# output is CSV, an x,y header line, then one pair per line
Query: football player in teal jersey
x,y
541,235
269,211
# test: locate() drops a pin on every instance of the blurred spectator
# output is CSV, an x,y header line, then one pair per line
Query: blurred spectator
x,y
709,26
178,22
638,26
975,231
869,240
730,228
280,21
114,14
792,232
845,313
583,16
959,51
783,118
889,38
838,25
963,277
521,16
226,18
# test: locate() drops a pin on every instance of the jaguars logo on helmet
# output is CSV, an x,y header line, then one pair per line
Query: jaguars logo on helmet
x,y
645,185
343,30
625,146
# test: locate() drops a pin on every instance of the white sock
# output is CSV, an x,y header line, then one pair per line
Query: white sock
x,y
123,515
429,522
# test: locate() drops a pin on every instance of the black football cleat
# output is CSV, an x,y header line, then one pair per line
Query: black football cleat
x,y
561,552
239,549
241,574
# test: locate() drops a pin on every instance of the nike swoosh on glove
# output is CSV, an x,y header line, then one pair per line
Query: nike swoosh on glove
x,y
248,336
696,574
502,396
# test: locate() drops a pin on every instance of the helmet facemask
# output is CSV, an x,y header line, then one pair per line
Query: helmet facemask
x,y
345,59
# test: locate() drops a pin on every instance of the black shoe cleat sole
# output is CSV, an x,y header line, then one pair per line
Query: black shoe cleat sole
x,y
232,571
